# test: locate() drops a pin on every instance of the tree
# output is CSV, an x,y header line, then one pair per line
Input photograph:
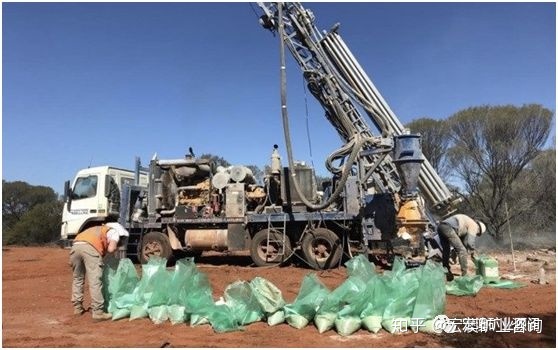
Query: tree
x,y
215,161
39,225
435,141
534,194
257,172
19,197
218,161
491,146
30,214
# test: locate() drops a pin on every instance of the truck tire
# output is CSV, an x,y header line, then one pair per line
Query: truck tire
x,y
264,254
154,244
322,248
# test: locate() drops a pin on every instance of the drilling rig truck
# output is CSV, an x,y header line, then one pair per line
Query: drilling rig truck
x,y
382,190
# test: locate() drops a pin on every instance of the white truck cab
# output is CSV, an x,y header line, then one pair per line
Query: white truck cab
x,y
93,197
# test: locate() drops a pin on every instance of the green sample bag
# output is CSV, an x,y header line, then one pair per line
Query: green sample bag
x,y
242,302
222,319
431,294
504,284
158,314
152,288
198,299
270,299
403,288
177,314
267,294
311,294
360,267
373,310
119,281
349,297
385,293
464,285
276,318
179,281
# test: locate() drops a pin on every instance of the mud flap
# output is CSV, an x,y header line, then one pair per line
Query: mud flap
x,y
237,237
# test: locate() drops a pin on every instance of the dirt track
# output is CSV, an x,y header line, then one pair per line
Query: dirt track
x,y
36,311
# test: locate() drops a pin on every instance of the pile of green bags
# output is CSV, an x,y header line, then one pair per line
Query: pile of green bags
x,y
471,285
365,299
403,294
184,294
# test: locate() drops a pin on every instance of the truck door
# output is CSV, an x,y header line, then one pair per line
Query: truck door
x,y
85,201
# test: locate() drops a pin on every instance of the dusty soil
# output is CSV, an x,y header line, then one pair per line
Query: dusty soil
x,y
36,311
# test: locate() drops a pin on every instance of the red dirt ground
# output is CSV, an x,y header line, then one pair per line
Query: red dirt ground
x,y
36,311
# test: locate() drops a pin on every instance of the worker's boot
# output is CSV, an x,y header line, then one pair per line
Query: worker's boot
x,y
449,276
101,316
79,310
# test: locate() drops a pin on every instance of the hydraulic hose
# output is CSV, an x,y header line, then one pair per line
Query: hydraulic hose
x,y
355,143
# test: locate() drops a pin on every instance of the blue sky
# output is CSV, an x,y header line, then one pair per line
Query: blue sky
x,y
100,83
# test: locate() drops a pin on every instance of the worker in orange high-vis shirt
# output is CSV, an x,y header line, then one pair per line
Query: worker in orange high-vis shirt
x,y
86,257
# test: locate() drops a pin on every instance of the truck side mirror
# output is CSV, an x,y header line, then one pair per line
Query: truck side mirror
x,y
66,190
68,194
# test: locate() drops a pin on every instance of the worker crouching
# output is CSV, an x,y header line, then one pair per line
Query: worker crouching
x,y
86,258
459,231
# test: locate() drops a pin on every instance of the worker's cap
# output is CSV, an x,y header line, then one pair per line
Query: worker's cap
x,y
482,227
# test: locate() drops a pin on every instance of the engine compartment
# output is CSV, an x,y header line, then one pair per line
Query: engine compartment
x,y
192,188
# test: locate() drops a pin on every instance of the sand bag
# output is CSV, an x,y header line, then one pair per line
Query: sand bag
x,y
152,288
270,299
138,311
381,291
198,299
242,302
180,279
371,314
360,267
505,284
431,293
117,314
347,325
404,287
465,285
177,314
267,294
119,281
348,296
276,318
222,318
158,314
355,300
310,296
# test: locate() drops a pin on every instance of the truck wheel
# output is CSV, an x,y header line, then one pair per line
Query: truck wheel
x,y
322,248
154,244
266,254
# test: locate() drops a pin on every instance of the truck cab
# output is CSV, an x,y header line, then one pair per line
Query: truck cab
x,y
93,197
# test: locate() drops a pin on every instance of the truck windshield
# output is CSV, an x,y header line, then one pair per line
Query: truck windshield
x,y
85,187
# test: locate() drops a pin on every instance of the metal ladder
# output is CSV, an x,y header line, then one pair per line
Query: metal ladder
x,y
280,229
